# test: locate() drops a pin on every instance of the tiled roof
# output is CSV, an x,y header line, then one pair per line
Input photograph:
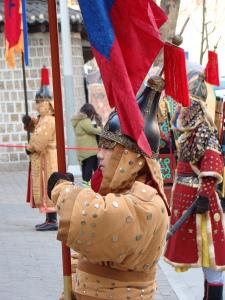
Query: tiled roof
x,y
37,14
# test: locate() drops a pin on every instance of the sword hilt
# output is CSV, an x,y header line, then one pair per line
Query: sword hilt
x,y
182,219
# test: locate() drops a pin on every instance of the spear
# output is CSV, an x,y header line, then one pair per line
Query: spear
x,y
24,57
215,47
177,40
25,91
53,26
173,229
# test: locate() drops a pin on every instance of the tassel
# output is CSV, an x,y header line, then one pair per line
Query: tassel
x,y
212,69
176,84
44,76
44,89
96,180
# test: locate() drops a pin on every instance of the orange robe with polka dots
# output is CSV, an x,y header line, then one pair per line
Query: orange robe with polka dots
x,y
119,232
43,160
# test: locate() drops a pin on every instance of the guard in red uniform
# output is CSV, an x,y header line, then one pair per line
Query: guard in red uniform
x,y
200,242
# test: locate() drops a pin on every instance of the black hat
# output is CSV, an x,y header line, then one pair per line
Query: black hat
x,y
148,104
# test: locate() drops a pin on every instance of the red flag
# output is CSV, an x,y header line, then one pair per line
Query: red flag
x,y
176,84
212,69
13,30
125,39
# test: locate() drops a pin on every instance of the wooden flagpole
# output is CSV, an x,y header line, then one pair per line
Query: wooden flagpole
x,y
53,26
25,90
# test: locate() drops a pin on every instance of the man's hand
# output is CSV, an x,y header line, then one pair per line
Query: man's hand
x,y
26,120
55,177
28,152
202,205
29,123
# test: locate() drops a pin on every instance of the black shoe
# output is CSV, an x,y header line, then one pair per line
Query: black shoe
x,y
48,227
215,292
46,220
38,225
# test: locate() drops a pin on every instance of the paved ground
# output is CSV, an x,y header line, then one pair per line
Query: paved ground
x,y
30,261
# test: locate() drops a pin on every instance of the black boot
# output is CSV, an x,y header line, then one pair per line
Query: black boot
x,y
215,292
46,220
205,290
53,217
51,224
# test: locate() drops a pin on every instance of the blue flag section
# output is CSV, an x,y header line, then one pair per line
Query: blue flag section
x,y
25,34
98,23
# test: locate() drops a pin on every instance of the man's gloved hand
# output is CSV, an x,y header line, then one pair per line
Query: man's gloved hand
x,y
56,176
26,120
29,123
28,152
202,205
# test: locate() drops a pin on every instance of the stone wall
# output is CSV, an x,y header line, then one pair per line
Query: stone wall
x,y
12,106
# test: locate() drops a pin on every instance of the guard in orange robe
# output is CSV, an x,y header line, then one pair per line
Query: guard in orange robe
x,y
42,153
119,227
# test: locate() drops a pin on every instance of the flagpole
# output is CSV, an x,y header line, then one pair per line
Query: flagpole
x,y
53,30
70,100
25,90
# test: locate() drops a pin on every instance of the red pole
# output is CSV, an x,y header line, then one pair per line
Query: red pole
x,y
53,30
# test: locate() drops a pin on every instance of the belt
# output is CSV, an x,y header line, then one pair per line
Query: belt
x,y
188,180
84,297
107,272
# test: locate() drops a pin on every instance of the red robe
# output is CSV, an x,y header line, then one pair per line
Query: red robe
x,y
184,249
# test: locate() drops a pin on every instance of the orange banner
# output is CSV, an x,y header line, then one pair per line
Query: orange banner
x,y
13,30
